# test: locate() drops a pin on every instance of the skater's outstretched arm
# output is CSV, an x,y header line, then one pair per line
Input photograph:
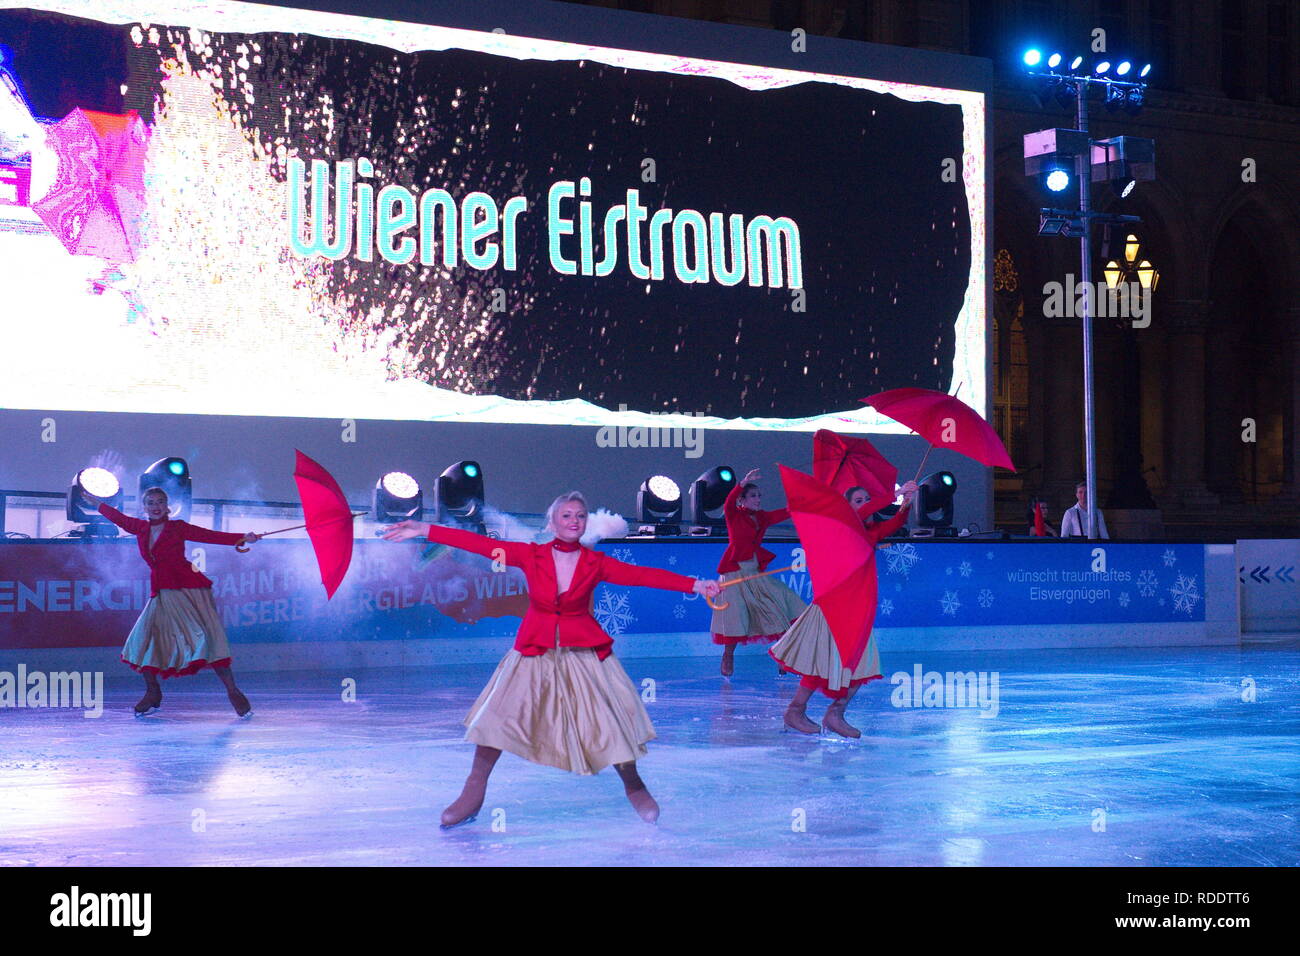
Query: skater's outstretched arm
x,y
513,553
127,524
617,572
193,532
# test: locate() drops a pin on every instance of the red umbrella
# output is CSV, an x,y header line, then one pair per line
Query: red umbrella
x,y
841,560
844,463
944,420
97,200
329,521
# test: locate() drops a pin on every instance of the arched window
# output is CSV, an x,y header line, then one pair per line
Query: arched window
x,y
1010,356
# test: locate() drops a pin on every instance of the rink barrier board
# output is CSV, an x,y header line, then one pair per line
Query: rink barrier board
x,y
936,602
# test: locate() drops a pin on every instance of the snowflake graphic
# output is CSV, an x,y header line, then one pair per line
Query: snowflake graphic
x,y
898,587
1185,594
989,555
1147,583
947,571
1123,599
949,603
985,597
672,559
679,610
901,558
623,554
1169,557
614,611
965,569
886,607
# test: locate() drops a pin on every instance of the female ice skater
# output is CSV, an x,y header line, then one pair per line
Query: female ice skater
x,y
179,631
757,610
808,648
560,697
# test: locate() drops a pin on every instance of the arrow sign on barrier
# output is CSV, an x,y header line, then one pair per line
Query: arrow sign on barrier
x,y
1260,575
1285,574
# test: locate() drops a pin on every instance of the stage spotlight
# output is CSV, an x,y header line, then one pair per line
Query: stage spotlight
x,y
397,497
1033,57
458,496
1124,188
706,497
1134,101
1057,180
659,506
1115,97
1047,90
934,500
1123,68
1102,68
1067,94
1054,61
172,475
102,484
1145,70
1076,63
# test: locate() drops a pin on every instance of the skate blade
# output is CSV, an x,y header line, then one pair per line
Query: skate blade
x,y
461,823
146,713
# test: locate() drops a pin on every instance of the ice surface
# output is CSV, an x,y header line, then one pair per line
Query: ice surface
x,y
1160,741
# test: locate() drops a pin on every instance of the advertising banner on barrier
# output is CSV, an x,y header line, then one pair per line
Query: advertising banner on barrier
x,y
87,594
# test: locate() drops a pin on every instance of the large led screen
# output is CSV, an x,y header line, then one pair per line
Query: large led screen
x,y
249,210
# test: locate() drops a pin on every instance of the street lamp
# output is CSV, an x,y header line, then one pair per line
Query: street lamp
x,y
1130,489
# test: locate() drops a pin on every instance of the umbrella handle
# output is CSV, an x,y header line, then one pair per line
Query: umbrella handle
x,y
356,514
727,584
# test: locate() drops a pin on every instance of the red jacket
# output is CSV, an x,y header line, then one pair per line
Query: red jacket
x,y
562,620
745,529
168,566
879,530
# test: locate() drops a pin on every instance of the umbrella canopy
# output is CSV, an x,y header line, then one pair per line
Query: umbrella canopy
x,y
945,421
97,200
841,560
844,463
329,520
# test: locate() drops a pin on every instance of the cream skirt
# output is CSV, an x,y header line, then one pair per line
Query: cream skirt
x,y
179,632
809,650
566,708
758,610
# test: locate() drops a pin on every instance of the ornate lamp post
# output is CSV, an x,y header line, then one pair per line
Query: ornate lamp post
x,y
1130,490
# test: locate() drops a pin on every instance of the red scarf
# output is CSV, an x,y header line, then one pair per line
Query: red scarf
x,y
566,546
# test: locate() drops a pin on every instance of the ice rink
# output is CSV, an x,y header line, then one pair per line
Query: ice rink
x,y
1095,758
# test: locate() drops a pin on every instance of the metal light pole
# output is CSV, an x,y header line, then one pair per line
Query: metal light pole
x,y
1083,167
1080,224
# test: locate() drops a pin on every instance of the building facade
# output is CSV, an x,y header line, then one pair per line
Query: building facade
x,y
1198,414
